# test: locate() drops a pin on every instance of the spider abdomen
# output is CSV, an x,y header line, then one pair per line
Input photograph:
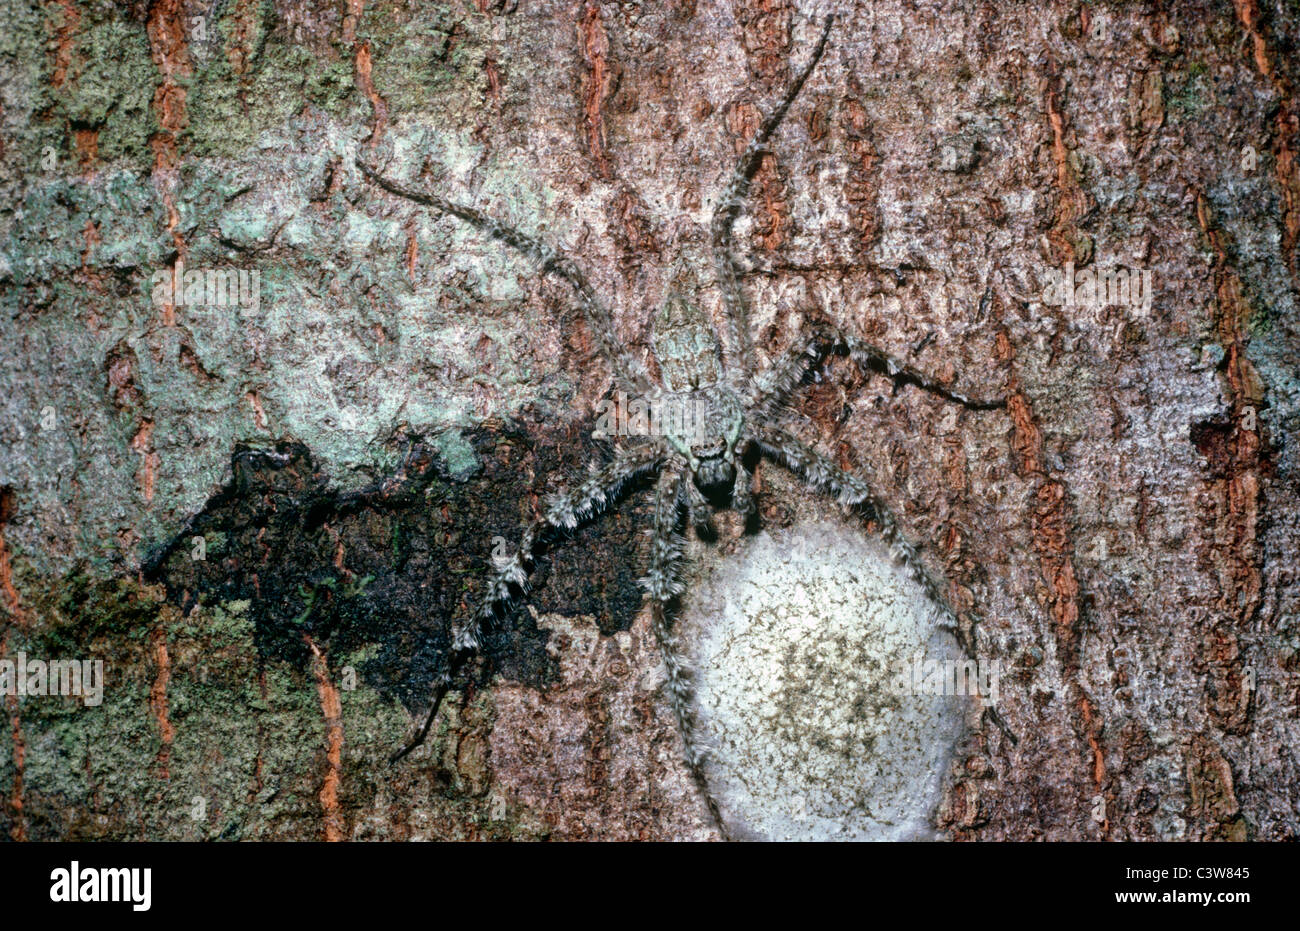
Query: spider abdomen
x,y
685,346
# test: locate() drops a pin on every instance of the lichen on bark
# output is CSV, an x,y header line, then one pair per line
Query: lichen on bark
x,y
1122,539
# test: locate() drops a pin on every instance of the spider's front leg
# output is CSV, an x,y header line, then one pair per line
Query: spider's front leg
x,y
663,584
820,473
775,385
740,353
565,512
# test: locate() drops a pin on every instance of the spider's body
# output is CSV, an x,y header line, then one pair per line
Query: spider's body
x,y
700,417
715,415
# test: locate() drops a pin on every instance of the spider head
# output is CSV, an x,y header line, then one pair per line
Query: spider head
x,y
711,432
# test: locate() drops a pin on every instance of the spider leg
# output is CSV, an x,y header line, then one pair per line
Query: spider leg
x,y
630,374
868,357
742,491
663,584
700,514
565,512
773,386
739,351
820,473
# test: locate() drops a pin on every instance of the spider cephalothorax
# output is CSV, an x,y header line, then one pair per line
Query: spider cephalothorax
x,y
702,417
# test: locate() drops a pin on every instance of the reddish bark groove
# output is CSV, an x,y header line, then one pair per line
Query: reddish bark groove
x,y
765,33
412,249
379,106
350,20
165,26
860,189
1235,484
8,505
1073,201
13,608
166,29
237,52
63,41
1286,129
85,140
362,68
142,443
597,83
1052,520
1051,523
158,700
332,711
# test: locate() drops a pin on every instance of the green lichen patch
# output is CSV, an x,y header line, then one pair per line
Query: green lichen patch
x,y
108,84
242,752
50,244
89,611
1189,92
422,53
252,80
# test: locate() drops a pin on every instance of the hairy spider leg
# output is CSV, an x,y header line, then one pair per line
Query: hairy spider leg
x,y
630,373
664,585
772,387
820,474
739,352
742,489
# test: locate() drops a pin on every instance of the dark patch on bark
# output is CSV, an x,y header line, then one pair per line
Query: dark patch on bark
x,y
392,564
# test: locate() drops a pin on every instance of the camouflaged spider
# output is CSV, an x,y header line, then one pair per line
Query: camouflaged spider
x,y
697,465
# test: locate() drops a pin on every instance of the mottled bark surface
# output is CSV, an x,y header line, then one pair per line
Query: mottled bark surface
x,y
1123,538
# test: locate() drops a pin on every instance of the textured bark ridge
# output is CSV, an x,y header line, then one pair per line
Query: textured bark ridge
x,y
261,505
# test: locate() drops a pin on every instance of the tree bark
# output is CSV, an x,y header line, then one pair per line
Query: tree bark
x,y
199,492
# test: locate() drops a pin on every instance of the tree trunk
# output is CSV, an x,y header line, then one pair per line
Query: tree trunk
x,y
198,486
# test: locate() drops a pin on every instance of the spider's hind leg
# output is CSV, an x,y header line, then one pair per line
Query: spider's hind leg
x,y
742,493
697,507
740,353
820,473
664,585
872,358
628,370
771,388
564,512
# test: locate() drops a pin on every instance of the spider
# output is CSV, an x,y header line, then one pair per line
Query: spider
x,y
696,467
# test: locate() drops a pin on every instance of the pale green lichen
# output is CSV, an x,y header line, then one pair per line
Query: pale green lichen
x,y
240,764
